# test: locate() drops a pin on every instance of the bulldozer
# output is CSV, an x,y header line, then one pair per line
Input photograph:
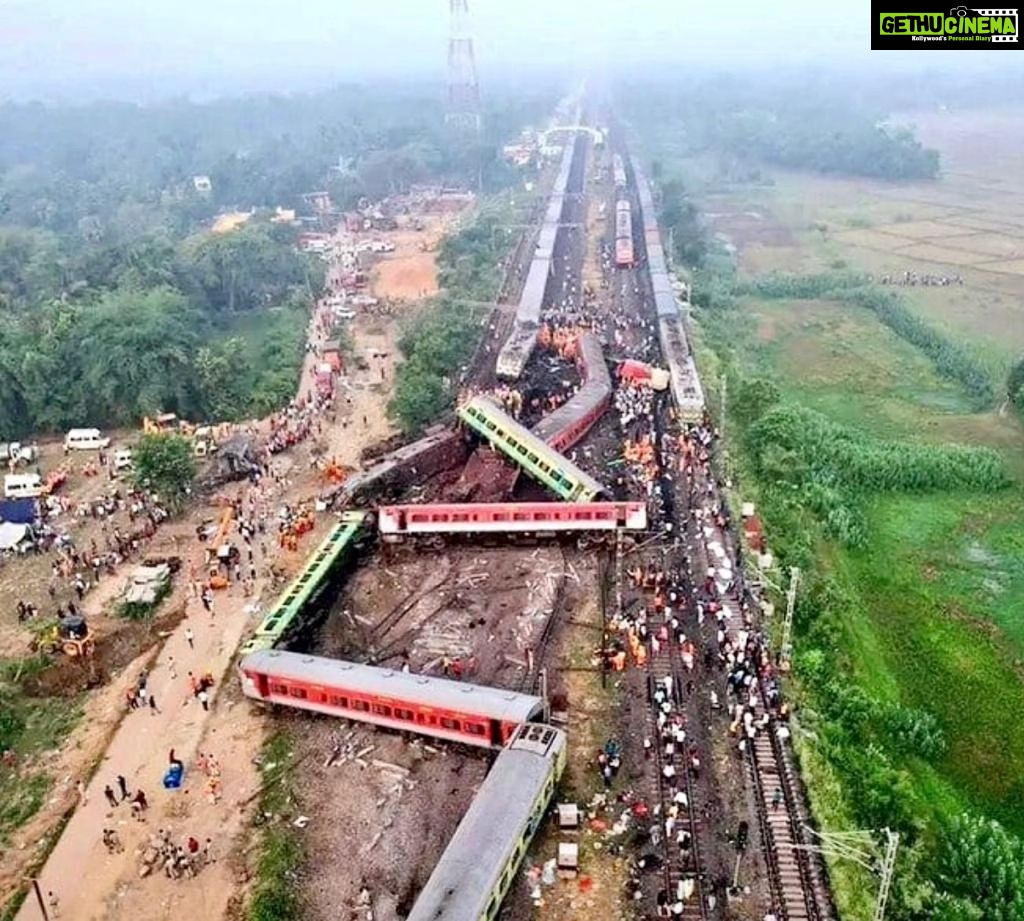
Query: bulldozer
x,y
166,424
71,635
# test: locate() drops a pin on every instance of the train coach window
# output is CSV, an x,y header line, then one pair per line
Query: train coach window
x,y
297,692
402,714
360,705
382,709
475,729
451,724
340,701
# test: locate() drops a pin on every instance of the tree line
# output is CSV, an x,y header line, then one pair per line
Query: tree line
x,y
104,336
109,172
795,121
114,301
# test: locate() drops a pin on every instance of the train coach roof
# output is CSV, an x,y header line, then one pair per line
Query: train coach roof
x,y
460,887
598,387
493,703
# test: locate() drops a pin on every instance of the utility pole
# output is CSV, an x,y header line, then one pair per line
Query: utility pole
x,y
724,387
861,848
888,869
786,652
39,899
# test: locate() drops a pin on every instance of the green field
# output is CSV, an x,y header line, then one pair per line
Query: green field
x,y
933,612
941,587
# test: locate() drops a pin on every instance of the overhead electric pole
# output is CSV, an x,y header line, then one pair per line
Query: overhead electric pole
x,y
861,847
786,652
463,110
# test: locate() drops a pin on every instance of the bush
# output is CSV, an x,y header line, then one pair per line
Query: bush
x,y
165,465
843,458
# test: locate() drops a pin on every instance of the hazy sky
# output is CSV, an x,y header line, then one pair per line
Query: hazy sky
x,y
128,47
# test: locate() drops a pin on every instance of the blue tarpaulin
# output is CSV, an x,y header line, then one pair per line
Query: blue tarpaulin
x,y
19,511
173,776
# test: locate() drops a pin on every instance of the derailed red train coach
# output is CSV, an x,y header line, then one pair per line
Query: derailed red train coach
x,y
396,521
455,711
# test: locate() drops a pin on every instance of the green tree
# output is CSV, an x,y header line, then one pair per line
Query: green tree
x,y
754,398
982,863
420,397
1015,385
137,349
164,465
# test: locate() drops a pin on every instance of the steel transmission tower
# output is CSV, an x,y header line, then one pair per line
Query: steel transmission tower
x,y
463,88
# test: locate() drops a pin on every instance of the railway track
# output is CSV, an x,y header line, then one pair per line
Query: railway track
x,y
683,871
797,877
686,882
530,681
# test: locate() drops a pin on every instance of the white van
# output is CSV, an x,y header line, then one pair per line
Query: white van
x,y
85,440
23,486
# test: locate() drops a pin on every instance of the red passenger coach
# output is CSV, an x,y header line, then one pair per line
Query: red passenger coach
x,y
396,521
450,710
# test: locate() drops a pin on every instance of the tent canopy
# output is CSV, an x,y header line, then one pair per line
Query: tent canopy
x,y
12,534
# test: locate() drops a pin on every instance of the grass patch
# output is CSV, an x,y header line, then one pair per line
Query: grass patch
x,y
21,800
947,646
825,353
275,895
29,727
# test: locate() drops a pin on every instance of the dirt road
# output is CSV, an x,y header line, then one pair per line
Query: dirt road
x,y
108,886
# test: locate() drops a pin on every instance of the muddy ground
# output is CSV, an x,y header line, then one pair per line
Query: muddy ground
x,y
485,606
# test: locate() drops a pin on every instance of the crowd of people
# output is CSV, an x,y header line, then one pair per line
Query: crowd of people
x,y
910,279
300,420
684,603
183,860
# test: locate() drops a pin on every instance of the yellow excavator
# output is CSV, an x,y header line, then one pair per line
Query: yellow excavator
x,y
166,423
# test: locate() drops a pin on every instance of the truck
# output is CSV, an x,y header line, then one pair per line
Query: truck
x,y
166,424
324,379
333,357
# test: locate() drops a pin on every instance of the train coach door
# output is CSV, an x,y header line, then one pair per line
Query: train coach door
x,y
497,733
262,684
